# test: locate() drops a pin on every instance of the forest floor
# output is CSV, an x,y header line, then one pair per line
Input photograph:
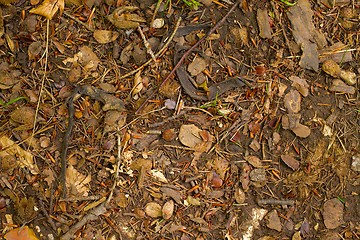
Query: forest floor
x,y
179,120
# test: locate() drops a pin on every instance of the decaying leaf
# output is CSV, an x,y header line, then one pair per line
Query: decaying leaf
x,y
105,36
220,165
192,201
7,80
123,18
21,233
174,194
25,159
23,118
49,8
193,137
77,182
254,161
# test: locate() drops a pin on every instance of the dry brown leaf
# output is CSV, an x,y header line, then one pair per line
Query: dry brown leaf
x,y
220,165
25,159
76,182
153,209
7,80
168,209
105,36
189,135
123,18
174,194
49,8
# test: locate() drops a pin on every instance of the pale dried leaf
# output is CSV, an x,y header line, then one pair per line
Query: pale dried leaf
x,y
189,135
153,209
138,85
77,182
159,176
105,36
25,159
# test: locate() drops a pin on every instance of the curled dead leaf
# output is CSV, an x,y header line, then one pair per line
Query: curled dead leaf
x,y
138,85
49,8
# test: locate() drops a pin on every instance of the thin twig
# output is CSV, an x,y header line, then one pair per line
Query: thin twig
x,y
187,54
157,54
116,170
147,45
79,22
46,53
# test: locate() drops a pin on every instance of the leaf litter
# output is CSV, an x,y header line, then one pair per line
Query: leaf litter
x,y
175,163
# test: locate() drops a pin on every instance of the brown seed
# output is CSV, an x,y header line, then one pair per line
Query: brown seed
x,y
169,134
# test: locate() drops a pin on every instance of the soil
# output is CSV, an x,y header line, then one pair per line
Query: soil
x,y
87,153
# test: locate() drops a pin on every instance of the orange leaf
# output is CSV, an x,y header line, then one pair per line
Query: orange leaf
x,y
24,233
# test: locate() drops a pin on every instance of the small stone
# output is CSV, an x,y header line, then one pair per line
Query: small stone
x,y
169,134
301,85
292,101
339,86
355,165
258,175
197,66
333,213
273,221
239,196
331,68
158,23
348,77
276,138
290,121
301,131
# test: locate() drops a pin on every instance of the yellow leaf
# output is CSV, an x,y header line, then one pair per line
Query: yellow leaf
x,y
23,233
48,8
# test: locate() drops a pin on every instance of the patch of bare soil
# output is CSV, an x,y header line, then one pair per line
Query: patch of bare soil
x,y
179,120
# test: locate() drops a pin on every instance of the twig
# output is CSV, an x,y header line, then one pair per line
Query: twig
x,y
46,53
92,215
156,10
157,54
116,170
79,22
275,202
147,45
187,54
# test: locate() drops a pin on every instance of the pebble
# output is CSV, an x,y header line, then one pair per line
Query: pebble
x,y
348,77
339,86
292,101
301,131
331,68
